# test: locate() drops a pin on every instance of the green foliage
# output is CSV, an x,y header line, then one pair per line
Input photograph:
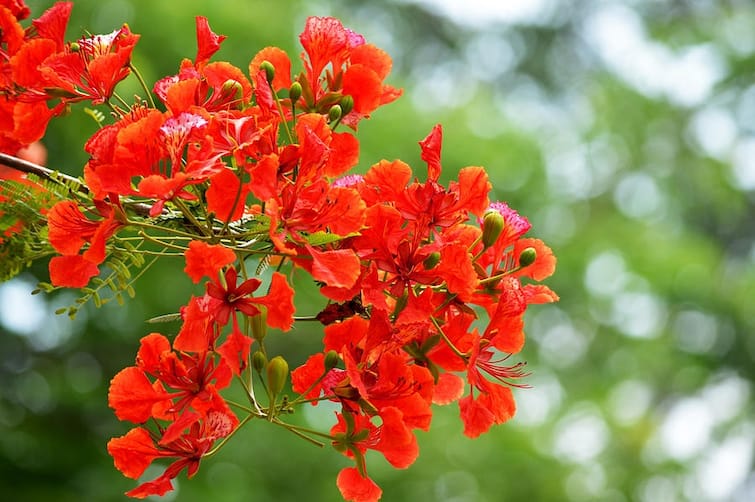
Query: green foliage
x,y
113,286
22,223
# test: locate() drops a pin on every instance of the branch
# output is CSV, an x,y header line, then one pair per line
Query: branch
x,y
31,168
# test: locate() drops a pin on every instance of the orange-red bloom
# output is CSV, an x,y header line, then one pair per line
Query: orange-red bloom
x,y
135,451
68,230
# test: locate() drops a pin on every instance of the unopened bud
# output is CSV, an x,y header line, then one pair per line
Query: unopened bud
x,y
527,257
431,260
331,360
277,373
347,104
401,302
75,47
269,70
259,361
294,92
492,226
334,113
232,88
259,325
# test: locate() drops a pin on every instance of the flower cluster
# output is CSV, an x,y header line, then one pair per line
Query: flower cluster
x,y
424,285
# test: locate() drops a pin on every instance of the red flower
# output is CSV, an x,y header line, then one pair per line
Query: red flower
x,y
226,298
182,381
23,89
18,8
135,451
355,434
326,41
351,66
208,43
206,260
68,230
93,69
357,488
281,63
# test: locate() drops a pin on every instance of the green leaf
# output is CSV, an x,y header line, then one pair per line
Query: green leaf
x,y
165,318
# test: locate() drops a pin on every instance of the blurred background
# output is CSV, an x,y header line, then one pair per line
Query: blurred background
x,y
624,131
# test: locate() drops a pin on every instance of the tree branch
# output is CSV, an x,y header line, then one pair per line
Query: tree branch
x,y
43,172
31,168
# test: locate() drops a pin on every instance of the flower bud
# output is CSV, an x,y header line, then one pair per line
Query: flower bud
x,y
527,257
334,113
75,47
294,92
401,302
259,325
269,70
331,360
492,226
431,260
232,88
277,373
347,104
259,361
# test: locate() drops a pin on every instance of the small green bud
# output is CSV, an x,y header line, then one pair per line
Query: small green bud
x,y
259,361
277,373
431,260
334,113
401,303
259,325
347,104
269,70
75,47
492,226
331,360
527,257
232,88
294,92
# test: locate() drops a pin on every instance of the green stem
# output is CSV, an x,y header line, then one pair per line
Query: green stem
x,y
309,389
190,216
249,390
151,253
303,430
142,83
235,200
241,407
448,342
113,108
290,136
172,231
157,241
306,318
315,399
122,101
229,436
498,277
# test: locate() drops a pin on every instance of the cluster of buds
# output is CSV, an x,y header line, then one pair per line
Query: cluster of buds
x,y
424,286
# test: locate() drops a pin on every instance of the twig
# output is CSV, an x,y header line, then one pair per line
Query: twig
x,y
31,168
